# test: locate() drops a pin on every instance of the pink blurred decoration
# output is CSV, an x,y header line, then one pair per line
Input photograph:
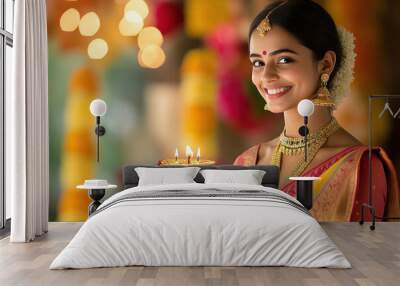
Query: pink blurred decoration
x,y
234,105
168,16
233,101
225,41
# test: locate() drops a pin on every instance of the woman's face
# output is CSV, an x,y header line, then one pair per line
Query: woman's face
x,y
284,71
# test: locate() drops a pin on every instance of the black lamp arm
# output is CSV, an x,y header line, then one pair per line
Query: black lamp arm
x,y
303,131
100,131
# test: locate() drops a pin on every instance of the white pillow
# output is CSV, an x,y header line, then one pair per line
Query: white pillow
x,y
162,176
248,177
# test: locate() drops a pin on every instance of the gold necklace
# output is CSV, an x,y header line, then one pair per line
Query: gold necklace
x,y
295,145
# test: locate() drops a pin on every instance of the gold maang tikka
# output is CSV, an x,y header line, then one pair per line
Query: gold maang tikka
x,y
265,24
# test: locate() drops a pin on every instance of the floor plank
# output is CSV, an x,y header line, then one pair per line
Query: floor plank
x,y
374,255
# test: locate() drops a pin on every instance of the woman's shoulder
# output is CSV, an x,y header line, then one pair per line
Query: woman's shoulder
x,y
342,138
252,154
248,156
338,145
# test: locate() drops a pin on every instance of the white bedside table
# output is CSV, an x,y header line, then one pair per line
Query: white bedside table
x,y
96,193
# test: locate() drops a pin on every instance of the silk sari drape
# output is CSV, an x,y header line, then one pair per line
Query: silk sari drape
x,y
343,187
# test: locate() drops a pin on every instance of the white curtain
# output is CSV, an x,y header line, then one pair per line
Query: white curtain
x,y
27,144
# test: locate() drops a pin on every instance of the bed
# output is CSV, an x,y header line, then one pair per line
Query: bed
x,y
201,224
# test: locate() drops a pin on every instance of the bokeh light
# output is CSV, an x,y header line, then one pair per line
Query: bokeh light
x,y
69,20
139,58
97,49
138,6
133,17
150,36
130,28
89,24
152,56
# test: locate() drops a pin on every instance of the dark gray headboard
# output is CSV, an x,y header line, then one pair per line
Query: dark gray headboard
x,y
271,178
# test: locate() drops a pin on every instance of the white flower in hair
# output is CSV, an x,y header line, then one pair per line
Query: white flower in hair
x,y
345,74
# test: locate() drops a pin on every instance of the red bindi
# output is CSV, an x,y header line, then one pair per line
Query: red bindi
x,y
264,53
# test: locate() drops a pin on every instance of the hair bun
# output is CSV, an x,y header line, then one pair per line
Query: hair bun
x,y
345,74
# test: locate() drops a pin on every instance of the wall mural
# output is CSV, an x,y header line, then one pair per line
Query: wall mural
x,y
177,74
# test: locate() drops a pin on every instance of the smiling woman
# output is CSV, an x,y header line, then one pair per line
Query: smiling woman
x,y
297,52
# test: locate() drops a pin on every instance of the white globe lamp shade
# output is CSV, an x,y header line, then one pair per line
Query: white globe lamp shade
x,y
305,107
98,107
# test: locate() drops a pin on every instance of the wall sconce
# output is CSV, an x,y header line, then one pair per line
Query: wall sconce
x,y
98,108
305,108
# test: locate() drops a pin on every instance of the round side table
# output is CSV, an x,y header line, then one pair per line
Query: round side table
x,y
96,193
304,190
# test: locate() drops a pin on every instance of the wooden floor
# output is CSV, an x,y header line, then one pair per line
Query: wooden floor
x,y
375,257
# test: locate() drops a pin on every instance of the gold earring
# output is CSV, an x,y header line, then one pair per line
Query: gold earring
x,y
324,97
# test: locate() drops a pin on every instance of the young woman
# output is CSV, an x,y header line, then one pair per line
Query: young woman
x,y
297,52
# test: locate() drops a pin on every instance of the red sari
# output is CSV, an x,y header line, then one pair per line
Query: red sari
x,y
344,184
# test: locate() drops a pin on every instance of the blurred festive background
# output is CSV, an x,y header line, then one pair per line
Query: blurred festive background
x,y
176,73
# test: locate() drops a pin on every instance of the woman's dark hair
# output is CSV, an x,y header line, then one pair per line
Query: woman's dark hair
x,y
311,24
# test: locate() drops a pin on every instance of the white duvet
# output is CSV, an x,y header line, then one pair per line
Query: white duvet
x,y
200,231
